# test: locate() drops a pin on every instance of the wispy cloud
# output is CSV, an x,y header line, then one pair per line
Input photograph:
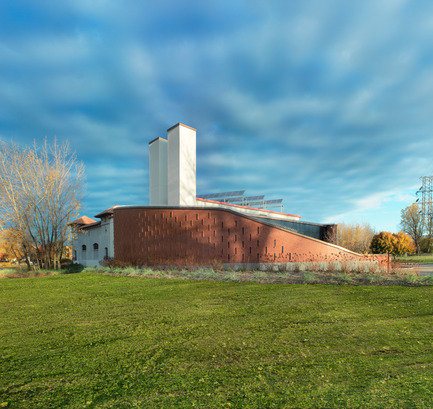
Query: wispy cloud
x,y
326,104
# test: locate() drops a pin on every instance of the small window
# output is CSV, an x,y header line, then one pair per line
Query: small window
x,y
83,247
95,246
106,252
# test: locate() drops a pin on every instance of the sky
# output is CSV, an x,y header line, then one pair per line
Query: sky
x,y
325,104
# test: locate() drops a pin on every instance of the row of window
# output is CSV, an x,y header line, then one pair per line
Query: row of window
x,y
95,247
95,250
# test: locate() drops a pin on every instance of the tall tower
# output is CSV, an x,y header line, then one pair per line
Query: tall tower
x,y
426,203
181,165
158,172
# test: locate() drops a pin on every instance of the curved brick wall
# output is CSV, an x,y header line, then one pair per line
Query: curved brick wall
x,y
197,236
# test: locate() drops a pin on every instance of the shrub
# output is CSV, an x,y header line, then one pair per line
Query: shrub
x,y
114,263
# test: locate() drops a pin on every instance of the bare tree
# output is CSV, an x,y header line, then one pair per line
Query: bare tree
x,y
355,237
40,194
412,223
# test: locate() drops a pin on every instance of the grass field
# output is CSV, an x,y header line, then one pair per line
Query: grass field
x,y
95,341
423,259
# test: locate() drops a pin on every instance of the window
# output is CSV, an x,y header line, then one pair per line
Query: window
x,y
106,252
95,250
83,247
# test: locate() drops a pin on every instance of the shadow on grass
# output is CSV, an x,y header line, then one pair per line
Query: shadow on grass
x,y
72,269
20,272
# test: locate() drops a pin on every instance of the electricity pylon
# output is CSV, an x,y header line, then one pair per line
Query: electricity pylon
x,y
425,202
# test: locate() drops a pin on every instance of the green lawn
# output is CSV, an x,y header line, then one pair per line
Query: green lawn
x,y
424,259
95,341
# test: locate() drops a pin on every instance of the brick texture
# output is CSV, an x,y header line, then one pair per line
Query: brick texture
x,y
197,236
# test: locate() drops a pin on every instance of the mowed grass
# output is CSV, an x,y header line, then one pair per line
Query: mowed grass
x,y
96,341
425,259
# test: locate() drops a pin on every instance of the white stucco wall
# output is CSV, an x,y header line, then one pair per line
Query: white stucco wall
x,y
103,235
181,165
158,172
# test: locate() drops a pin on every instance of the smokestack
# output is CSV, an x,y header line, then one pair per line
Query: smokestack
x,y
158,176
181,165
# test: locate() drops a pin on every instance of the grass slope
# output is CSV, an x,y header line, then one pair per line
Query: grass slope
x,y
95,341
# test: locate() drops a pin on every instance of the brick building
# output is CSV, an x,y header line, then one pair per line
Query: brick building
x,y
178,228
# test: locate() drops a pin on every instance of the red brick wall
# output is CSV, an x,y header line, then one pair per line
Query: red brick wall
x,y
197,236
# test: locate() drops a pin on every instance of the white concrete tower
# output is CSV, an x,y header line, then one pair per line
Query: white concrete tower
x,y
181,165
158,175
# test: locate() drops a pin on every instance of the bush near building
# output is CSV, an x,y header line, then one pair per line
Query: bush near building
x,y
392,243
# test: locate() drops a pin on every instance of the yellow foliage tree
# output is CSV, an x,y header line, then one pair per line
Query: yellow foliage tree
x,y
412,223
355,237
389,243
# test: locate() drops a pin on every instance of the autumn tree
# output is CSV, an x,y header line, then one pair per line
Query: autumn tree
x,y
40,194
15,247
389,243
412,224
355,237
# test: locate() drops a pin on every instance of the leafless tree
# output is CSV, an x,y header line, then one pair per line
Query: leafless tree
x,y
40,194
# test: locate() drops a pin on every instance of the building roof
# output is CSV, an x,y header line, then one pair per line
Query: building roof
x,y
83,221
108,212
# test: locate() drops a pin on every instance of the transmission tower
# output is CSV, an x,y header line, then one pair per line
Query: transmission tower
x,y
426,202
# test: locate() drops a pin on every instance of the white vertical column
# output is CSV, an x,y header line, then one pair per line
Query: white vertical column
x,y
158,176
181,165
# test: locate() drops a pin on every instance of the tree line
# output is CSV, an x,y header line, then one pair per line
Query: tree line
x,y
41,188
413,237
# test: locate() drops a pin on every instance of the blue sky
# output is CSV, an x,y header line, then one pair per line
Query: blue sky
x,y
326,104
